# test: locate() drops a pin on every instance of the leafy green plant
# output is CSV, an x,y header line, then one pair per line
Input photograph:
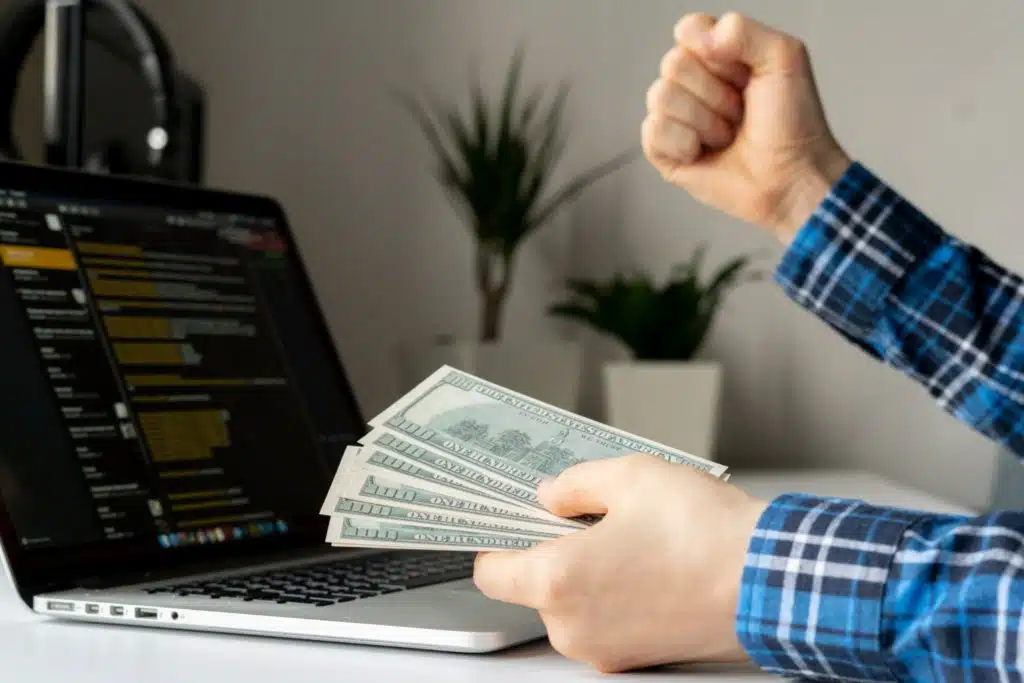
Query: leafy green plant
x,y
667,322
497,168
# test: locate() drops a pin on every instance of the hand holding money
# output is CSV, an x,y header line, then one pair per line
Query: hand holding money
x,y
588,524
455,464
655,582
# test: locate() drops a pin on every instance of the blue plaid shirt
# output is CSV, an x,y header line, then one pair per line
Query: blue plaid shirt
x,y
840,589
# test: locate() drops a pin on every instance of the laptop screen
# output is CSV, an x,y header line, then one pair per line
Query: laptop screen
x,y
167,382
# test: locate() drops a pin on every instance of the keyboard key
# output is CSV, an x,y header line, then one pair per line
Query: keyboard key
x,y
334,582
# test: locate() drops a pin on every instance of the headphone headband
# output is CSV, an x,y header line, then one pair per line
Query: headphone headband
x,y
23,23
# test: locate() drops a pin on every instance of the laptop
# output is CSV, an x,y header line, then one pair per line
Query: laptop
x,y
173,413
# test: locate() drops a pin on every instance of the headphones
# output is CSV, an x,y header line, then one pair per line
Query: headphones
x,y
20,27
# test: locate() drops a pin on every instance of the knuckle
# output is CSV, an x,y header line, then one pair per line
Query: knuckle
x,y
656,96
678,65
691,21
647,136
690,149
733,23
670,62
791,53
649,127
732,29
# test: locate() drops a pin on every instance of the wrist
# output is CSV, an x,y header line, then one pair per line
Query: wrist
x,y
745,516
810,187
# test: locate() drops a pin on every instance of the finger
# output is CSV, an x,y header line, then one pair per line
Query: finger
x,y
590,487
693,35
736,38
668,100
666,142
681,67
512,576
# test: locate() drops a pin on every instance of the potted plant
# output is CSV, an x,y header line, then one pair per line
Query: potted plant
x,y
662,391
496,165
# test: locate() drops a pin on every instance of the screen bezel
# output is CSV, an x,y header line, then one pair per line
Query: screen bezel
x,y
109,563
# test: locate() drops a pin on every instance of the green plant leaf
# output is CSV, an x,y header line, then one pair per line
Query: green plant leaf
x,y
692,267
585,289
508,100
496,164
727,277
573,311
449,173
580,183
657,322
481,126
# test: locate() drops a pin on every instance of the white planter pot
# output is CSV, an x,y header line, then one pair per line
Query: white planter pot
x,y
673,403
547,371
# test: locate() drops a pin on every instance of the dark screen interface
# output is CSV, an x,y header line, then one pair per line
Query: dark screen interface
x,y
162,377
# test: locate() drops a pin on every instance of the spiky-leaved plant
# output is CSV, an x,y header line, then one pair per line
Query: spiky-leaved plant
x,y
656,322
497,168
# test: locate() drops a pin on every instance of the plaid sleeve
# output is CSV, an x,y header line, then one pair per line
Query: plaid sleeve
x,y
842,590
892,282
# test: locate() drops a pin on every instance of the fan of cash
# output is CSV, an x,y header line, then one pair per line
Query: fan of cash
x,y
454,465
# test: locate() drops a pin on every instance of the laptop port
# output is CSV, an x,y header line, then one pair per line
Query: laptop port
x,y
92,609
117,611
141,613
60,606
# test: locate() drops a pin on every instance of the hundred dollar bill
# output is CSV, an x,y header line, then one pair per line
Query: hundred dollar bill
x,y
360,509
345,470
368,533
509,435
399,469
358,461
381,488
460,469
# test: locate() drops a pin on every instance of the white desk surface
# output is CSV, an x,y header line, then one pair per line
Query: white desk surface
x,y
35,649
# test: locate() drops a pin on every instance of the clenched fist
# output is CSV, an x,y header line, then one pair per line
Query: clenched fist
x,y
735,120
656,581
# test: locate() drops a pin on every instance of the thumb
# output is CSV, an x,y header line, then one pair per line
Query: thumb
x,y
736,38
587,488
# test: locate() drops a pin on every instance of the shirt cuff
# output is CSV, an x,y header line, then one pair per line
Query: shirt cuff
x,y
855,248
813,587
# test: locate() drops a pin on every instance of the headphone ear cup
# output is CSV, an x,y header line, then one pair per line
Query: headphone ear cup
x,y
167,128
20,25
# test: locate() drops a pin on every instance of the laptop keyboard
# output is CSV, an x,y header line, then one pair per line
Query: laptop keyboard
x,y
331,583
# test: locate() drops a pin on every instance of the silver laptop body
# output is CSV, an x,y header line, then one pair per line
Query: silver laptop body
x,y
173,411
